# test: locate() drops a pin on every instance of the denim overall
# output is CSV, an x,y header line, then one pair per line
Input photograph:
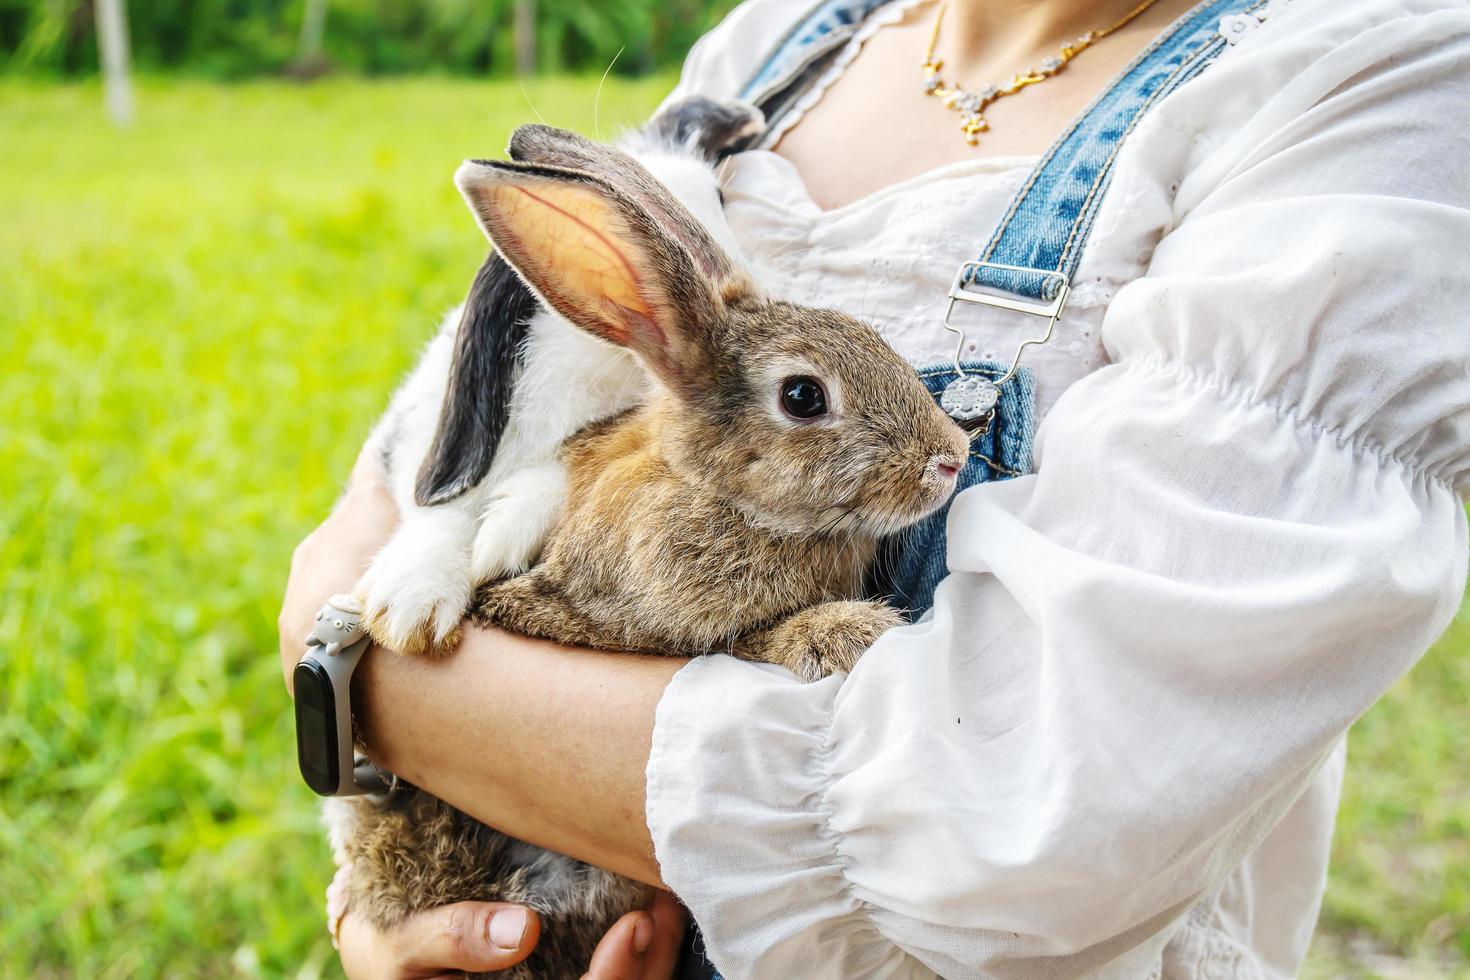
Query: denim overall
x,y
1025,267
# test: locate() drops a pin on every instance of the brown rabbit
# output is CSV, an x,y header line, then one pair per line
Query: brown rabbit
x,y
735,510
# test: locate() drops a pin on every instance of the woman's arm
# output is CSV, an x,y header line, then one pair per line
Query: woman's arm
x,y
548,744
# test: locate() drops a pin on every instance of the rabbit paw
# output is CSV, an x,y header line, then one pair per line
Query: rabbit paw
x,y
517,519
415,594
824,639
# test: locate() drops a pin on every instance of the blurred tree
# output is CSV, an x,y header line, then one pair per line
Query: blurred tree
x,y
112,36
525,33
313,24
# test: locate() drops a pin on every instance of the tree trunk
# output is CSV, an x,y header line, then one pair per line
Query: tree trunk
x,y
112,43
313,26
525,37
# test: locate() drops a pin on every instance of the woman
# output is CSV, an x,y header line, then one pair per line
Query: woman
x,y
1115,746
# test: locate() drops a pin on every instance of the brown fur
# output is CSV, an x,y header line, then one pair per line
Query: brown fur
x,y
705,520
414,852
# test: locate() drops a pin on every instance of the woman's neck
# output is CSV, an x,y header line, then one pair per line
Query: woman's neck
x,y
981,32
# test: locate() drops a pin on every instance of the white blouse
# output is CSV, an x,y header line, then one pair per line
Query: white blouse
x,y
1115,748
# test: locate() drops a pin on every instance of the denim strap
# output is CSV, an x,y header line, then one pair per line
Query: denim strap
x,y
1047,224
826,26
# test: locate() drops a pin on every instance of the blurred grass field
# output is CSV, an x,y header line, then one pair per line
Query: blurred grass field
x,y
199,320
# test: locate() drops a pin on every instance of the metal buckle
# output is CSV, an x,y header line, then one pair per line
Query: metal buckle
x,y
971,401
1052,309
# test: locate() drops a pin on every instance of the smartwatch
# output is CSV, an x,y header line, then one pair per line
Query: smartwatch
x,y
323,682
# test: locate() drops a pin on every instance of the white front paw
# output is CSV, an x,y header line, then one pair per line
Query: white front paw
x,y
519,515
416,591
505,545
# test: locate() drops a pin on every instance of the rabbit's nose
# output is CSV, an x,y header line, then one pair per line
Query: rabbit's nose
x,y
948,467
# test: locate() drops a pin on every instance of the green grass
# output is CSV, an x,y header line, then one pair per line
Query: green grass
x,y
199,320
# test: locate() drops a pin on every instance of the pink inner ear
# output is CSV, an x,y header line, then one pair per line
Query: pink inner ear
x,y
617,291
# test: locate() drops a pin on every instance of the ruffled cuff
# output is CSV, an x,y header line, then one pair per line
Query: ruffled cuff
x,y
737,807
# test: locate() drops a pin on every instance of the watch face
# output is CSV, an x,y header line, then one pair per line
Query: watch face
x,y
316,728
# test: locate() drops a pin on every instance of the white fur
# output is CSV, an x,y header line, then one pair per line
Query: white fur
x,y
422,575
340,820
521,511
427,572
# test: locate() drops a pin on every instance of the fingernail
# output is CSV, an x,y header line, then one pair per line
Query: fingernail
x,y
508,928
642,935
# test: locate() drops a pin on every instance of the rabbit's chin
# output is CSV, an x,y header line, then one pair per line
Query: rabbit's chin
x,y
871,521
880,524
882,519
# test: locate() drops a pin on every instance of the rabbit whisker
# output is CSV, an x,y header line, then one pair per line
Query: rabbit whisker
x,y
533,105
848,510
790,251
597,97
831,525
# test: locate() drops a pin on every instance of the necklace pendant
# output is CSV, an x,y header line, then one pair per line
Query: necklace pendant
x,y
972,126
967,398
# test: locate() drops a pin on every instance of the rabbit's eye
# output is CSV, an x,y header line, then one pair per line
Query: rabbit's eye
x,y
803,397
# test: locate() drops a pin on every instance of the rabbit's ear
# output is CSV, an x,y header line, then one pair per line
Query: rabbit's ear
x,y
706,127
547,146
602,261
492,326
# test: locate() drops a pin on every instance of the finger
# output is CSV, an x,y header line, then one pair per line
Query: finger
x,y
669,921
620,955
362,949
470,936
337,895
642,945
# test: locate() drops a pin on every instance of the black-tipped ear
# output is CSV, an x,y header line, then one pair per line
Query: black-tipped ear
x,y
707,128
477,402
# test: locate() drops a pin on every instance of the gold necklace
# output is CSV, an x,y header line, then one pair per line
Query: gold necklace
x,y
972,105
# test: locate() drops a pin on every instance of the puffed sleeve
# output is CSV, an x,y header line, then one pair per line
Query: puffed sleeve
x,y
722,61
1239,534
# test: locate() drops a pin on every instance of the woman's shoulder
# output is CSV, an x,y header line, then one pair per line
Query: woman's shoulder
x,y
723,60
1317,27
1308,15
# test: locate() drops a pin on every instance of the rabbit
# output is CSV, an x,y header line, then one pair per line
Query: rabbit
x,y
469,442
734,507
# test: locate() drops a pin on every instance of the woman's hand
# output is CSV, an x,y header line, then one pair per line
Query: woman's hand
x,y
331,558
490,936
